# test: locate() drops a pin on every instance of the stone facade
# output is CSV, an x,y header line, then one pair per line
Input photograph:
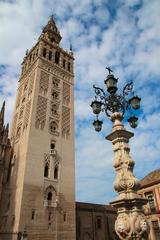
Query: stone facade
x,y
95,221
41,183
150,188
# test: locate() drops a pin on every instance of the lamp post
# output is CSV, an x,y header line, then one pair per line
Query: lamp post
x,y
131,222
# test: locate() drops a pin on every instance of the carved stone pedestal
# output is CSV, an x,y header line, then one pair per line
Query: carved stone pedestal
x,y
131,222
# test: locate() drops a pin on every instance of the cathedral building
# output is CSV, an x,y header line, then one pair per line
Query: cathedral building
x,y
95,221
150,189
38,195
5,152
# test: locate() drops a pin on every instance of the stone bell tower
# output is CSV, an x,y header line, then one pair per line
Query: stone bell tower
x,y
41,202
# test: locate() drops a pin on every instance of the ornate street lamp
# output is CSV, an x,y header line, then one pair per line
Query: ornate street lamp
x,y
96,106
133,121
135,102
131,222
97,125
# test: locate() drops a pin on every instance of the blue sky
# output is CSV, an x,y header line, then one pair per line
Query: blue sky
x,y
124,35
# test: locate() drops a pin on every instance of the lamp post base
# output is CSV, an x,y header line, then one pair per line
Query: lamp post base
x,y
131,222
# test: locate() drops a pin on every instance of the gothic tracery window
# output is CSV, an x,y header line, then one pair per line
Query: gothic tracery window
x,y
50,196
46,170
56,172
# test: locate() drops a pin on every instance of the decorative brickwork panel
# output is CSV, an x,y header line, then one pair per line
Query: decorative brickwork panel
x,y
14,124
31,83
65,122
25,87
46,158
21,112
44,82
27,114
23,98
41,112
19,94
66,94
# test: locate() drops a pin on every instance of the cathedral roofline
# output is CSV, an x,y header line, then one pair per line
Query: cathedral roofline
x,y
150,179
95,207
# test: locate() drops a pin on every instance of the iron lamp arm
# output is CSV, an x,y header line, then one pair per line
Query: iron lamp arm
x,y
99,92
128,88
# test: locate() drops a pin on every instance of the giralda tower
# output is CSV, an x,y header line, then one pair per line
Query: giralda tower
x,y
41,186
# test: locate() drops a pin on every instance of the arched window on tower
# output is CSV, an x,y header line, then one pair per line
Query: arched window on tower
x,y
56,172
54,95
57,57
64,63
55,83
44,52
69,67
54,109
50,55
52,40
46,170
50,196
52,145
53,127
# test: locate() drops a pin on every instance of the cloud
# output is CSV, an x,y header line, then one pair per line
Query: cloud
x,y
123,35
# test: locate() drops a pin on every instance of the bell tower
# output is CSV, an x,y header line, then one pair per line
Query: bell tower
x,y
42,175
